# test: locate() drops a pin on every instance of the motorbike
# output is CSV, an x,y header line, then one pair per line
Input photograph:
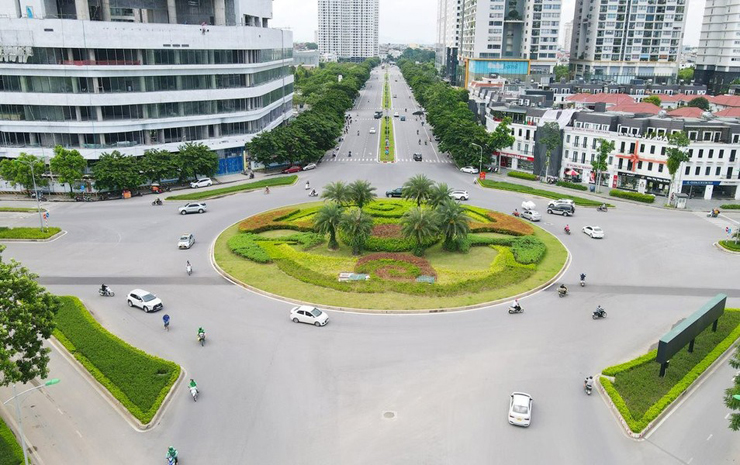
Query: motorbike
x,y
189,269
194,393
157,202
513,309
562,292
583,283
358,133
202,339
588,389
313,194
349,154
516,213
598,313
567,231
108,292
602,208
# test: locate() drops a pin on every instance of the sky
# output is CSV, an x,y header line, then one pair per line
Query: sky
x,y
414,21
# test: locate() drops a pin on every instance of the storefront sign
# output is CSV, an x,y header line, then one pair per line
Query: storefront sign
x,y
701,183
578,166
648,178
516,155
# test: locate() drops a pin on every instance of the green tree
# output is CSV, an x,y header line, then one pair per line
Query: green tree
x,y
361,193
421,225
418,188
438,194
677,154
687,74
327,221
158,165
561,71
600,164
654,99
312,46
501,137
730,401
699,102
358,226
17,171
338,192
26,320
196,159
453,223
116,171
68,165
551,140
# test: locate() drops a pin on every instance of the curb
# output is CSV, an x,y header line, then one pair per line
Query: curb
x,y
31,241
731,252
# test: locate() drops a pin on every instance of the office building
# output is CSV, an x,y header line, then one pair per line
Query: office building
x,y
349,29
567,35
151,75
619,40
449,27
718,54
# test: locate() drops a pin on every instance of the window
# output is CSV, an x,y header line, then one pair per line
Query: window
x,y
567,138
565,156
688,168
711,153
717,171
639,165
642,148
692,135
691,153
732,155
660,168
721,153
652,149
650,166
701,153
697,171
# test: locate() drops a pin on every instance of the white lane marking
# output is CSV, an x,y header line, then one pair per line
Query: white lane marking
x,y
692,458
727,416
78,433
710,437
60,411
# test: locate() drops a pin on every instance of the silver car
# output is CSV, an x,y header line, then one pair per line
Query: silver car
x,y
531,215
459,194
193,207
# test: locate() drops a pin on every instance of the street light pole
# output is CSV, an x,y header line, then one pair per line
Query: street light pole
x,y
18,412
480,163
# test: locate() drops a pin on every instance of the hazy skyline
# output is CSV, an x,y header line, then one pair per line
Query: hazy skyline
x,y
415,21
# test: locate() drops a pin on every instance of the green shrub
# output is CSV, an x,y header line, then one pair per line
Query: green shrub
x,y
10,451
138,380
21,210
647,358
730,245
636,196
572,185
478,240
507,186
269,182
522,175
27,233
245,246
528,249
730,206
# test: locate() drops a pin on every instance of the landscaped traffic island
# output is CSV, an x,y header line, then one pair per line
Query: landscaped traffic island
x,y
389,255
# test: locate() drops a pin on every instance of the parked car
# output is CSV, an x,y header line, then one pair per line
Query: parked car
x,y
520,409
469,169
310,166
459,194
193,207
144,300
186,241
310,315
564,209
397,192
568,201
531,215
594,232
292,169
204,182
417,157
372,130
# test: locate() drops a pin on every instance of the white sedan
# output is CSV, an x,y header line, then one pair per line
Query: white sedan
x,y
186,241
459,194
310,166
520,409
594,232
469,169
372,130
205,182
310,315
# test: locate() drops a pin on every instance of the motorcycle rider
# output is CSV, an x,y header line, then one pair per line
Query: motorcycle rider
x,y
201,335
104,289
188,267
602,207
563,289
583,276
515,305
567,229
516,212
172,453
308,185
166,320
588,384
599,310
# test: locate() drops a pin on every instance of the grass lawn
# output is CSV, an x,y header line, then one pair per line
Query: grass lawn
x,y
208,194
269,278
730,245
27,233
386,123
19,209
138,380
508,186
10,451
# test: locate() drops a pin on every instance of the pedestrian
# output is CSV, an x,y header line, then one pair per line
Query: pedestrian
x,y
166,320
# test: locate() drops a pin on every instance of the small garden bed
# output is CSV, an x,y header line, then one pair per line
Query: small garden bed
x,y
28,233
730,206
10,451
636,196
138,380
507,186
250,186
730,245
19,209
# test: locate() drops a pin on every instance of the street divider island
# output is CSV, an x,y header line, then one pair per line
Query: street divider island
x,y
28,233
508,186
250,186
139,381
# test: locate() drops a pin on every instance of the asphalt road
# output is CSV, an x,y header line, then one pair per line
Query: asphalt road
x,y
378,389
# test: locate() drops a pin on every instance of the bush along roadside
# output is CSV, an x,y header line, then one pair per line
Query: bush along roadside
x,y
250,186
10,451
641,396
571,185
522,175
28,233
730,206
636,196
139,381
508,186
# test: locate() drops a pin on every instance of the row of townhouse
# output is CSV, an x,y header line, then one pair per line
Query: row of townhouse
x,y
638,162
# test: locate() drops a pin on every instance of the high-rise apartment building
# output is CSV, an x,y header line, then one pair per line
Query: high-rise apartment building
x,y
624,39
349,29
449,28
718,54
567,35
143,74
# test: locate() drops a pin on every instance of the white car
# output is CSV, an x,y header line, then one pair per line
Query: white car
x,y
554,202
372,130
205,182
192,207
520,409
594,232
186,241
469,169
310,315
531,215
144,300
310,166
395,115
459,194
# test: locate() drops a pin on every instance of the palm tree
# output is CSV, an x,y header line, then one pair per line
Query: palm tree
x,y
337,192
438,195
327,221
419,224
361,193
358,226
453,223
417,188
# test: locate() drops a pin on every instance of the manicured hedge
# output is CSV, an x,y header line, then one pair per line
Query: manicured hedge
x,y
522,175
27,233
507,186
636,196
138,380
244,245
730,245
207,194
528,249
20,209
478,240
640,395
572,185
10,451
730,206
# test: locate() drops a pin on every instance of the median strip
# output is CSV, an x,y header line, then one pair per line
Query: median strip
x,y
508,186
250,186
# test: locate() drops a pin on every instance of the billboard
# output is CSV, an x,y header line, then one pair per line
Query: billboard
x,y
480,68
